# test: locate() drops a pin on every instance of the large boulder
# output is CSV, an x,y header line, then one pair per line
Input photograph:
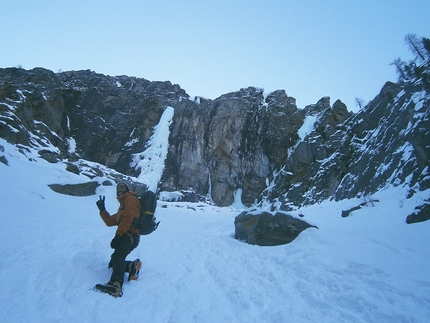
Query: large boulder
x,y
267,229
420,214
84,189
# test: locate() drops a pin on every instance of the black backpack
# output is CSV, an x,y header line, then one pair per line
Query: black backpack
x,y
147,221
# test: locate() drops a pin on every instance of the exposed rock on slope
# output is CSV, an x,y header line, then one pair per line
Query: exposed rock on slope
x,y
384,144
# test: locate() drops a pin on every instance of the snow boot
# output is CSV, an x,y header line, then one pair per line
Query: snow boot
x,y
112,288
134,269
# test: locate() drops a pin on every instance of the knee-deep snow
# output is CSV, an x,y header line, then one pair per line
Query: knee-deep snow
x,y
369,267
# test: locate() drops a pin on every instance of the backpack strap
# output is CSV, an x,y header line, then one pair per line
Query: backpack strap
x,y
134,219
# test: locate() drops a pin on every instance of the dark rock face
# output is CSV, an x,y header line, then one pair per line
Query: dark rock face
x,y
111,118
265,229
232,142
31,108
384,144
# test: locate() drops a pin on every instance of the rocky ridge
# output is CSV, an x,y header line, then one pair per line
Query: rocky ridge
x,y
242,140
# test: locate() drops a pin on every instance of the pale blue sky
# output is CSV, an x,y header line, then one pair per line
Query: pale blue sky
x,y
311,49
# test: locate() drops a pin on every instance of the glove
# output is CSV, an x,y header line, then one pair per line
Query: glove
x,y
115,241
101,203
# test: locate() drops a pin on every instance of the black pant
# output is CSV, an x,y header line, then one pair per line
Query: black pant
x,y
117,260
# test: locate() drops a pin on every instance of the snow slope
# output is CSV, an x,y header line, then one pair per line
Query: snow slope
x,y
369,267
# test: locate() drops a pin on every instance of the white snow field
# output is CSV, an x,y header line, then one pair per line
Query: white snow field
x,y
369,267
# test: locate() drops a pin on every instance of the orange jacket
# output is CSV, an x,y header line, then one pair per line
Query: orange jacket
x,y
129,208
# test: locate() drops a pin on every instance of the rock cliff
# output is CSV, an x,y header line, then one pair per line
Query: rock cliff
x,y
246,140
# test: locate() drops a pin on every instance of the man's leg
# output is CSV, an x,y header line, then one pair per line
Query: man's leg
x,y
129,264
117,261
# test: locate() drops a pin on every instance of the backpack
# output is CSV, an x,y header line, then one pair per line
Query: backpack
x,y
146,223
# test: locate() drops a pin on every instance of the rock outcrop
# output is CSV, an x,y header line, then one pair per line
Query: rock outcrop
x,y
386,143
235,141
